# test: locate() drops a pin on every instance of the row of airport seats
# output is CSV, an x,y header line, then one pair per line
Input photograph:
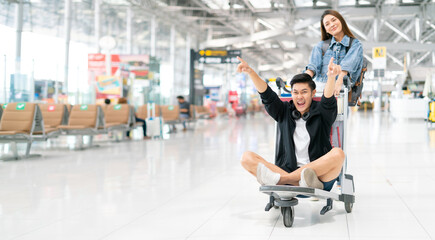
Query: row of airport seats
x,y
170,114
251,109
28,122
254,108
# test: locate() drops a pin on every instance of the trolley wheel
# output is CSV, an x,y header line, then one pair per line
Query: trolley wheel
x,y
288,216
348,206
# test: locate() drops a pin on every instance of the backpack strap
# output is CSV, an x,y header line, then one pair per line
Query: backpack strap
x,y
350,44
325,45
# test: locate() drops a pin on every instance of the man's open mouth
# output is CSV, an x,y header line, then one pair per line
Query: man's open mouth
x,y
300,104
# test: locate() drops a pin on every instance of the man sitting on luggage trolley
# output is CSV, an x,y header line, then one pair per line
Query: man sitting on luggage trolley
x,y
304,154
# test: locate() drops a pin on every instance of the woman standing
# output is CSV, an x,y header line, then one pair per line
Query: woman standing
x,y
336,43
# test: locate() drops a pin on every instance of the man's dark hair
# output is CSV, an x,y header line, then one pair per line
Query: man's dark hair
x,y
180,97
107,101
303,78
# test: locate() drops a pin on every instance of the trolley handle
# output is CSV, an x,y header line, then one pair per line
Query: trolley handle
x,y
281,84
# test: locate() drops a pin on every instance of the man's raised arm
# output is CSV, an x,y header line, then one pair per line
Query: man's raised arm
x,y
333,71
243,66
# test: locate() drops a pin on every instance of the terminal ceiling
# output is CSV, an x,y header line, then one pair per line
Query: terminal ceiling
x,y
276,36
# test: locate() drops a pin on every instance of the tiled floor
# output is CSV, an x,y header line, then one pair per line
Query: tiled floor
x,y
191,186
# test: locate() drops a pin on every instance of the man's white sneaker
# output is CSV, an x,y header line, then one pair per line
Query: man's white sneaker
x,y
310,179
265,176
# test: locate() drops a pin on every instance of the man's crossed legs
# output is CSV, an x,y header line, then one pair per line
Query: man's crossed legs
x,y
325,169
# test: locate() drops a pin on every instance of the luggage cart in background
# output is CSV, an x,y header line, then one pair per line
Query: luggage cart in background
x,y
286,196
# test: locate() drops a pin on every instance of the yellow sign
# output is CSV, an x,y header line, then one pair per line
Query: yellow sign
x,y
213,53
108,85
432,114
379,52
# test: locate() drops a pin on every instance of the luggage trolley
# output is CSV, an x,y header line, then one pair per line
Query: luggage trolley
x,y
286,196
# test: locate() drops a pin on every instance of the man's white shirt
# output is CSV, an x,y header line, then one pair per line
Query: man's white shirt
x,y
301,139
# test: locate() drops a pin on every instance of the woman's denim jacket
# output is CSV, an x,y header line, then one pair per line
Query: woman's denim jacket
x,y
351,62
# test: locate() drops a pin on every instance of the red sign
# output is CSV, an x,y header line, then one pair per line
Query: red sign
x,y
233,96
96,61
120,66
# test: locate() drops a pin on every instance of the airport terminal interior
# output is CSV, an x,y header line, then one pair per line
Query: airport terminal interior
x,y
128,119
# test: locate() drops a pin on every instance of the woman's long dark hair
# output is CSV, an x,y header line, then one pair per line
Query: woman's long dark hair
x,y
344,26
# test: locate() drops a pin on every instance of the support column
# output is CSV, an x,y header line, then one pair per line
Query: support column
x,y
192,78
153,36
5,99
191,72
97,24
67,23
196,43
378,101
172,59
417,30
209,34
19,30
408,60
129,29
187,61
334,4
376,30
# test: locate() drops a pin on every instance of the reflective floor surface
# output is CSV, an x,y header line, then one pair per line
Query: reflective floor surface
x,y
191,186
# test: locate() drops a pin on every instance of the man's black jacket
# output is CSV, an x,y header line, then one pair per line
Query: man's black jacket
x,y
322,116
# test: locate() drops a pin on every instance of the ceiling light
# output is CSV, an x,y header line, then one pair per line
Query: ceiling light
x,y
303,3
320,3
266,24
243,45
116,2
288,44
278,68
237,6
346,2
217,4
260,3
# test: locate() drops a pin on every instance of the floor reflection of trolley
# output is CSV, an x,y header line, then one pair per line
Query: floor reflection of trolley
x,y
286,197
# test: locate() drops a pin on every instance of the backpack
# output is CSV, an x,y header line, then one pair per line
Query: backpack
x,y
356,89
